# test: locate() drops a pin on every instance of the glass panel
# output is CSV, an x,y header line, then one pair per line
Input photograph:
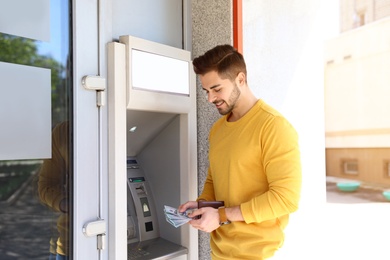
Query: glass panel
x,y
16,81
36,194
37,14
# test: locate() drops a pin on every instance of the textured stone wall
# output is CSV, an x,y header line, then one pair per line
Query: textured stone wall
x,y
211,26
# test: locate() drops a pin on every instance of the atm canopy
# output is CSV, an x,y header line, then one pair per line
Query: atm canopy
x,y
158,77
159,86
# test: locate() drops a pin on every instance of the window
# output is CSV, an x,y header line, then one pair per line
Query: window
x,y
350,167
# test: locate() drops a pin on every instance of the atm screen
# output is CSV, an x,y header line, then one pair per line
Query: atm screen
x,y
137,179
145,207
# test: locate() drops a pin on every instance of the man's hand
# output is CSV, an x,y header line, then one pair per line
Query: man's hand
x,y
208,221
188,205
205,219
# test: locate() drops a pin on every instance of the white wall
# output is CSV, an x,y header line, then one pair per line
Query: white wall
x,y
283,51
283,47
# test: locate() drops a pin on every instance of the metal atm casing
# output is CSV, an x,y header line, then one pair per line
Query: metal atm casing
x,y
132,102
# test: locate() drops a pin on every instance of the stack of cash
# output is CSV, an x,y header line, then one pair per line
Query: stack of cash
x,y
176,218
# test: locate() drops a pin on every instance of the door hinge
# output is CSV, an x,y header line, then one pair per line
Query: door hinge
x,y
98,84
96,228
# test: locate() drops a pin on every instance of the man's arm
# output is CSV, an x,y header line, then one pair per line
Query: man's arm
x,y
234,214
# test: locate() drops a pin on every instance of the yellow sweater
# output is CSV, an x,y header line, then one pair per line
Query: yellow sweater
x,y
254,163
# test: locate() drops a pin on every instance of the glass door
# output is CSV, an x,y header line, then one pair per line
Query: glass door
x,y
36,149
49,132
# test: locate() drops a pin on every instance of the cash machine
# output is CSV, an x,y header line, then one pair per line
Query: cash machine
x,y
152,149
144,241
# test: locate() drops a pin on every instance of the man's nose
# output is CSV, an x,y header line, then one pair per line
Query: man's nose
x,y
211,97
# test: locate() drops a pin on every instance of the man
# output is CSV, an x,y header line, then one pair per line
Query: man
x,y
254,164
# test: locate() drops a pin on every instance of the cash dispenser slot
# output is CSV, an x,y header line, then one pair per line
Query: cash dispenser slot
x,y
144,241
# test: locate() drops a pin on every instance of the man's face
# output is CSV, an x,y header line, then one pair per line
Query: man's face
x,y
223,93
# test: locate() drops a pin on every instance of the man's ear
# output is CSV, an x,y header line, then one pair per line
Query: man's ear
x,y
240,79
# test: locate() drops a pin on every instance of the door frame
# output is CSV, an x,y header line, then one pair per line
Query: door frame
x,y
87,181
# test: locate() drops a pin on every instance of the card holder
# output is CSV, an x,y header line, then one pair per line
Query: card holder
x,y
213,204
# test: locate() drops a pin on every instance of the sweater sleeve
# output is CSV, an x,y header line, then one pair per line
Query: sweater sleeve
x,y
208,189
281,160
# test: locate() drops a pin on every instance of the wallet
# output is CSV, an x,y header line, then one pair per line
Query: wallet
x,y
213,204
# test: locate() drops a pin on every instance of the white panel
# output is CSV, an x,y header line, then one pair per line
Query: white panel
x,y
25,114
162,101
159,73
117,242
26,18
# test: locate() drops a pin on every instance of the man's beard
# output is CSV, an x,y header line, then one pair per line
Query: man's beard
x,y
231,102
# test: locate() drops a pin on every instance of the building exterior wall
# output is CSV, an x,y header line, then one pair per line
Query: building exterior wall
x,y
211,25
356,13
382,9
357,73
368,165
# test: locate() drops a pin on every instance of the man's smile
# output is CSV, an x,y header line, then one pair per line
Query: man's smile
x,y
218,103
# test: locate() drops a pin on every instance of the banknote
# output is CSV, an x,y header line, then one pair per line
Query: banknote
x,y
176,218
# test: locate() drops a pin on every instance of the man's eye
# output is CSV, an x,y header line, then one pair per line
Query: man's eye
x,y
217,90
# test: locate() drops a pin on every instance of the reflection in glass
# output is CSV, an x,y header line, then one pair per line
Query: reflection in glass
x,y
53,188
35,216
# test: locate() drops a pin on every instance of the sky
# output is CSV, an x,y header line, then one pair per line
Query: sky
x,y
57,34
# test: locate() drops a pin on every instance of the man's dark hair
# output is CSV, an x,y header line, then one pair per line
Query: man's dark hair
x,y
224,59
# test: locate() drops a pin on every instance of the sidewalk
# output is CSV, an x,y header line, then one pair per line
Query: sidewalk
x,y
364,194
25,227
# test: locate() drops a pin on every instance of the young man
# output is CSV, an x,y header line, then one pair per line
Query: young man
x,y
254,164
